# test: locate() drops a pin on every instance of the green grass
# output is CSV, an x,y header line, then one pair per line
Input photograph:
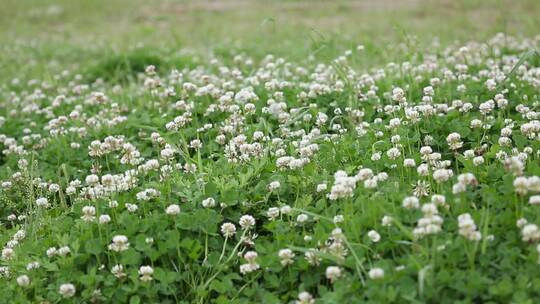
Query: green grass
x,y
82,32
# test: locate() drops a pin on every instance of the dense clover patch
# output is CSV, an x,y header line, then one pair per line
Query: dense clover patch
x,y
237,180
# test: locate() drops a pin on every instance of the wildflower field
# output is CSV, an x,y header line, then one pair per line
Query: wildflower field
x,y
269,152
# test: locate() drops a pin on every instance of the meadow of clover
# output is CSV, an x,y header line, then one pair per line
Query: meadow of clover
x,y
269,152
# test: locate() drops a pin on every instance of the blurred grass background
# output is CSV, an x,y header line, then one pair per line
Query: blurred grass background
x,y
39,36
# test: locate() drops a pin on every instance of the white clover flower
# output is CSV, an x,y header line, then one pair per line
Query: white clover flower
x,y
409,162
8,254
19,235
63,251
228,230
118,271
67,290
374,236
4,272
51,252
195,144
89,213
333,273
167,153
410,202
386,221
274,186
438,199
479,160
132,207
247,222
393,153
42,202
521,185
53,188
423,170
364,174
23,280
305,298
286,256
146,273
530,233
454,141
343,187
172,209
467,228
119,243
251,265
376,273
272,213
442,175
338,219
371,183
209,202
534,200
104,219
521,222
32,266
302,218
286,210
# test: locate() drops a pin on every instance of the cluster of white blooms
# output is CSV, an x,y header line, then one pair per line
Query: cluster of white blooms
x,y
273,212
62,251
110,144
524,185
130,155
251,265
239,150
147,194
343,187
464,180
335,245
289,162
442,175
430,223
247,119
529,232
8,252
467,228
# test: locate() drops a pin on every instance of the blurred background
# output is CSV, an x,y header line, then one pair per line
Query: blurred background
x,y
79,32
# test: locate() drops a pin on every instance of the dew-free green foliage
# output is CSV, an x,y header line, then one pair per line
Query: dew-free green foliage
x,y
156,152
